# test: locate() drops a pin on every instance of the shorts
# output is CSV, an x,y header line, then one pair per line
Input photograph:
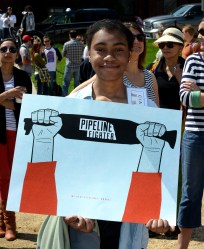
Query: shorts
x,y
192,159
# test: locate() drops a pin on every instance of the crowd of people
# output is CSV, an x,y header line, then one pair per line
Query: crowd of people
x,y
172,81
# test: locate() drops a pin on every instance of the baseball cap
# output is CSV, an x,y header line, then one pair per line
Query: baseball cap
x,y
27,38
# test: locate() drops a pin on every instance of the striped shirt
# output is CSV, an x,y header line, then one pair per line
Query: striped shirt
x,y
73,51
148,84
193,71
10,118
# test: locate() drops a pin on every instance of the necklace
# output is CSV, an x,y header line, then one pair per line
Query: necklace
x,y
170,70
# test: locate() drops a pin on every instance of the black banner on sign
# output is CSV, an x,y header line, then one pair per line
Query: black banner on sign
x,y
100,129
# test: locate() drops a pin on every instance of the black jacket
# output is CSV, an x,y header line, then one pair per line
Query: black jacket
x,y
21,78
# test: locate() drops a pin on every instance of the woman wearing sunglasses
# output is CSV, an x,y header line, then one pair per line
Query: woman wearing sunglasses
x,y
13,83
136,75
192,96
168,70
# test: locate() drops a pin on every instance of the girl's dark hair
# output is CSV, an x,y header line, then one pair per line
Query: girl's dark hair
x,y
142,56
48,37
7,14
11,40
110,26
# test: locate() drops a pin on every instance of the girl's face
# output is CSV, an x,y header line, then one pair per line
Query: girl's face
x,y
8,52
138,46
201,35
109,54
186,36
171,49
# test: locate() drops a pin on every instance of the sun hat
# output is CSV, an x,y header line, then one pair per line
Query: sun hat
x,y
170,35
27,38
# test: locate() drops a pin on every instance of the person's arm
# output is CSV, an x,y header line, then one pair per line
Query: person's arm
x,y
6,98
46,124
84,84
5,19
8,104
190,87
196,47
202,99
190,93
149,134
155,89
25,59
16,92
59,55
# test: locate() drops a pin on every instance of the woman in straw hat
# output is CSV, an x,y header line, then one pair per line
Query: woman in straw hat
x,y
168,70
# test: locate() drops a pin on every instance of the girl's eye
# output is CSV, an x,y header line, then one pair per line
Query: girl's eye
x,y
100,49
119,50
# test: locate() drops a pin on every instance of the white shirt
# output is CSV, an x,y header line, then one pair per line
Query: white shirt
x,y
10,118
51,58
8,21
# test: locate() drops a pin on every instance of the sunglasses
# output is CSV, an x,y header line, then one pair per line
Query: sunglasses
x,y
168,44
140,37
12,50
201,31
46,41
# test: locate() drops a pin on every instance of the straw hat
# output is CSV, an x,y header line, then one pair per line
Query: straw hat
x,y
36,40
170,35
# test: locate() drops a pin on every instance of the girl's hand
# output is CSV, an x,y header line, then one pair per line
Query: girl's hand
x,y
159,226
80,223
190,86
16,92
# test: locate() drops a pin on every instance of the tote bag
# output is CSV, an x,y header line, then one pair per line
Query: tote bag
x,y
43,74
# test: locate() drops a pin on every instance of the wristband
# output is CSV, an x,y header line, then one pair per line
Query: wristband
x,y
195,99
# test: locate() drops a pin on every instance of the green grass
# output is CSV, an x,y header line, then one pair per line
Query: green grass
x,y
151,52
150,56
